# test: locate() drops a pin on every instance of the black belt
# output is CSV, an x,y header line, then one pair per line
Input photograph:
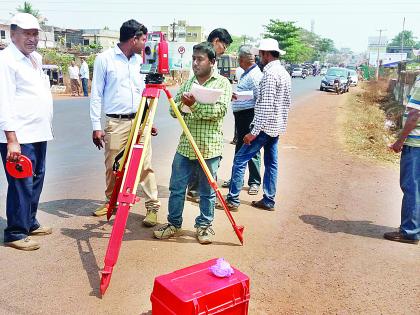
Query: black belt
x,y
122,116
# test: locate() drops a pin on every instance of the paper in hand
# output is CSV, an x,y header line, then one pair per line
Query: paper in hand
x,y
205,95
244,95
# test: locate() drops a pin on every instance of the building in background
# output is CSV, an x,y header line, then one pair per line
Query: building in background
x,y
104,38
4,34
181,32
68,38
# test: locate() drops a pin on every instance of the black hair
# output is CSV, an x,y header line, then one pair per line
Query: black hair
x,y
274,53
206,48
131,28
222,34
13,27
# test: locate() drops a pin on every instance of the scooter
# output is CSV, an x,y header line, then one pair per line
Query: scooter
x,y
337,88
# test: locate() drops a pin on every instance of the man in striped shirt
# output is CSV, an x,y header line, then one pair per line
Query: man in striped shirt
x,y
205,122
243,111
408,144
270,120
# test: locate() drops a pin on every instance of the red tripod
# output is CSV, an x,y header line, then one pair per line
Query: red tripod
x,y
129,171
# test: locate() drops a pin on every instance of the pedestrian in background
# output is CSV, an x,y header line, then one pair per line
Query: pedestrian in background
x,y
74,79
205,123
117,88
84,76
270,120
408,143
243,111
26,109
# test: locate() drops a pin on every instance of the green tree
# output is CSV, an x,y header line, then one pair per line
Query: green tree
x,y
405,37
234,46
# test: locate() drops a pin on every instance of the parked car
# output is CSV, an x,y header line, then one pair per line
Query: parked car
x,y
327,82
296,72
354,77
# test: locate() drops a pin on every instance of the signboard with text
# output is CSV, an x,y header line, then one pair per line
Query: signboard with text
x,y
180,55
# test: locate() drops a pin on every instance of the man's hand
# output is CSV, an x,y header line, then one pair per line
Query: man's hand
x,y
154,131
396,146
234,96
13,151
249,137
188,99
98,138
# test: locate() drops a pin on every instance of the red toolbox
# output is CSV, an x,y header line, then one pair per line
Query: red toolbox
x,y
196,291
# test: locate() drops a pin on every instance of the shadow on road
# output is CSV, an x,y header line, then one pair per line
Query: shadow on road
x,y
67,208
359,228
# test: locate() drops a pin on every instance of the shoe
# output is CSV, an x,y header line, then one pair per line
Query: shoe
x,y
261,205
398,237
231,207
193,196
203,234
42,230
151,218
167,231
24,244
101,210
226,184
253,189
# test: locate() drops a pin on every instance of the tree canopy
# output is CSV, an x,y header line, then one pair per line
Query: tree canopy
x,y
405,37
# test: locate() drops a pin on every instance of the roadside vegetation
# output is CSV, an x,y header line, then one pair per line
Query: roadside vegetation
x,y
371,119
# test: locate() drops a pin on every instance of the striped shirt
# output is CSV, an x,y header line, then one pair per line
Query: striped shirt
x,y
272,107
206,120
413,138
249,81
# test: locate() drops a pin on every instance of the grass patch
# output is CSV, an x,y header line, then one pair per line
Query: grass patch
x,y
363,122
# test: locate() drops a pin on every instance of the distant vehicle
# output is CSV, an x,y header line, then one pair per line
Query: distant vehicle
x,y
354,78
227,65
54,74
296,72
338,74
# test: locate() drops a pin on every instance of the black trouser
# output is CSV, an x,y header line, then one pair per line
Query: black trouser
x,y
243,121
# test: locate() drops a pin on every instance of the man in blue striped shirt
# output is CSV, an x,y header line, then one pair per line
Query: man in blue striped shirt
x,y
243,111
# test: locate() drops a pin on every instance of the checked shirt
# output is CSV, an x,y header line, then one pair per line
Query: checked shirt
x,y
206,120
272,106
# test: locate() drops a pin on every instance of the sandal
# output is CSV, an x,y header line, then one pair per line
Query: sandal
x,y
253,189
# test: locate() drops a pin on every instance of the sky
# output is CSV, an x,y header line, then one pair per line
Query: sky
x,y
347,23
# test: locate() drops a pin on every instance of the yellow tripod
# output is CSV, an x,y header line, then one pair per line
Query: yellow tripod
x,y
129,171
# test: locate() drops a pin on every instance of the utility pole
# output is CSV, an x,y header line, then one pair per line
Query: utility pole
x,y
173,30
377,57
402,40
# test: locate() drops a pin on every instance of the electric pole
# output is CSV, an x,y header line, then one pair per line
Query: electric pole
x,y
173,30
402,40
377,57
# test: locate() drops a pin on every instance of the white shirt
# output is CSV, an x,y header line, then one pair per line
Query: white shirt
x,y
238,73
84,70
74,72
26,105
117,85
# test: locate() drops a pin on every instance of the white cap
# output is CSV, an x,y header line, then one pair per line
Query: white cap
x,y
26,21
268,44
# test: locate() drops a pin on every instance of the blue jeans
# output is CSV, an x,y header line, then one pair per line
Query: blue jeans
x,y
23,194
182,167
85,86
246,153
410,185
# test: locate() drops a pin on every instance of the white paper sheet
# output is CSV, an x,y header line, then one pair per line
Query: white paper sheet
x,y
205,95
244,95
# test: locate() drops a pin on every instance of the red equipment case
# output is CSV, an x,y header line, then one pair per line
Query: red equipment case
x,y
196,291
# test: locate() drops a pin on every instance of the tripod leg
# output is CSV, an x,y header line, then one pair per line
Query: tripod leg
x,y
120,172
127,195
238,229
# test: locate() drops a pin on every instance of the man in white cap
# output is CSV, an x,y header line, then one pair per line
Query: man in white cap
x,y
25,127
270,120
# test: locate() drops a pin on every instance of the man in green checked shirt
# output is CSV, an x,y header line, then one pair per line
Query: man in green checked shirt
x,y
205,124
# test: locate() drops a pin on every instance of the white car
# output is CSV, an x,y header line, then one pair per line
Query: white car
x,y
296,72
353,77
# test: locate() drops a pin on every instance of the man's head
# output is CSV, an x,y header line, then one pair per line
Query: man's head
x,y
72,63
203,59
134,35
245,56
220,39
269,50
24,32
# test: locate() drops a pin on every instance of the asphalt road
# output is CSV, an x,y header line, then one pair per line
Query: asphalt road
x,y
75,167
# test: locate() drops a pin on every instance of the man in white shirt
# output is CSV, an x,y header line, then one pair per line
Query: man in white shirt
x,y
25,127
117,87
74,79
84,76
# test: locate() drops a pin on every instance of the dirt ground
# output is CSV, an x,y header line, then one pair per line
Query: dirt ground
x,y
320,252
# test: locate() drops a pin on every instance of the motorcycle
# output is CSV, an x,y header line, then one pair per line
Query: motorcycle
x,y
337,87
